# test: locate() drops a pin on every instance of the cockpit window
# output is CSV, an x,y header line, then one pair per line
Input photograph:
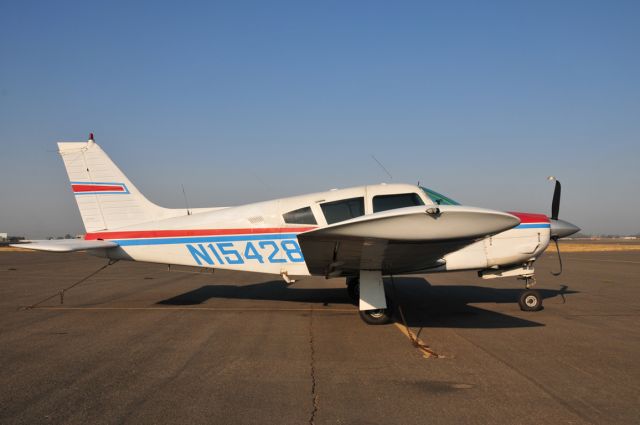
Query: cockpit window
x,y
343,209
300,216
391,202
438,198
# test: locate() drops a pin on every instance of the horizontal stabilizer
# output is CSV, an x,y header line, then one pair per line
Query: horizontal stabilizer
x,y
65,245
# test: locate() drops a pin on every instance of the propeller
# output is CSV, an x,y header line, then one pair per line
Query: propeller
x,y
555,204
558,273
559,228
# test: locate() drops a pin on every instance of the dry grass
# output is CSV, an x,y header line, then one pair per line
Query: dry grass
x,y
596,247
12,249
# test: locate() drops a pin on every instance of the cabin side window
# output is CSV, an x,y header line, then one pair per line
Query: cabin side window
x,y
300,216
343,209
391,202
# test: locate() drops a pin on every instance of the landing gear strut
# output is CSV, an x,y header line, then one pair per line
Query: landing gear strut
x,y
374,306
530,299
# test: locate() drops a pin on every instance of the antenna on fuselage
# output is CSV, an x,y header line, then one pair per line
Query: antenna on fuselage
x,y
186,203
382,166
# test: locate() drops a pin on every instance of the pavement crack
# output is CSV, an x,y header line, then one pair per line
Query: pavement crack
x,y
314,394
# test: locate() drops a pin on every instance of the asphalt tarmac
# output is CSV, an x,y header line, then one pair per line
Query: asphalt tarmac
x,y
138,344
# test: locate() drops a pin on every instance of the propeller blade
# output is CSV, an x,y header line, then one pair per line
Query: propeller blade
x,y
558,273
555,204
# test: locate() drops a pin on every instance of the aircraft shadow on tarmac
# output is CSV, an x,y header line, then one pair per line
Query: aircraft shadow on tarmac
x,y
423,304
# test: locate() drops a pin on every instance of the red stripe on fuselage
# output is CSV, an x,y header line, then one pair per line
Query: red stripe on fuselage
x,y
530,217
80,188
143,234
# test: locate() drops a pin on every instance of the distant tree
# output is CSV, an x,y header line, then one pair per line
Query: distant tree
x,y
68,236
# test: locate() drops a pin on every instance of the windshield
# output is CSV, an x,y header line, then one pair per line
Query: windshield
x,y
438,198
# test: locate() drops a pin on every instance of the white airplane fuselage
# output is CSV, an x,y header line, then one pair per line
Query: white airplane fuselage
x,y
256,238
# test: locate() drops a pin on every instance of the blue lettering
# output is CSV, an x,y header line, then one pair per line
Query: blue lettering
x,y
213,249
251,253
292,249
199,254
271,258
226,249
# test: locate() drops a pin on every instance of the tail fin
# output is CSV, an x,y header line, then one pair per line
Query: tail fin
x,y
105,197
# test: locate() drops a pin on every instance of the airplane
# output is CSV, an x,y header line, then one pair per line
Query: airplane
x,y
360,233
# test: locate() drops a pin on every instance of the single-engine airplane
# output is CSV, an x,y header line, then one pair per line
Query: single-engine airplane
x,y
360,233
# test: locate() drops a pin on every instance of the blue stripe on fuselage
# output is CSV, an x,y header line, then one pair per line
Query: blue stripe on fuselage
x,y
203,239
534,226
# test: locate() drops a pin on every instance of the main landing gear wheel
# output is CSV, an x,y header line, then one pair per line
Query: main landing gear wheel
x,y
530,300
353,289
380,316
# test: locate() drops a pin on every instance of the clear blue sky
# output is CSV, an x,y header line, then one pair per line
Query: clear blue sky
x,y
245,101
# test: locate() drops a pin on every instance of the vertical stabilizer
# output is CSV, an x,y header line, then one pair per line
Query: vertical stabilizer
x,y
105,196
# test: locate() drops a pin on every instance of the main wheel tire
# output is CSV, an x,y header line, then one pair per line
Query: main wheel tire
x,y
530,300
380,316
353,289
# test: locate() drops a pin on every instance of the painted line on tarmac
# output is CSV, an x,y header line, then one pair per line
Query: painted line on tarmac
x,y
332,310
606,261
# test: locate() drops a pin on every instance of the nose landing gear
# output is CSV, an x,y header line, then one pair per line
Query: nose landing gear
x,y
529,300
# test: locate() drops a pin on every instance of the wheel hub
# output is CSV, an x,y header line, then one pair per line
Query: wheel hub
x,y
376,314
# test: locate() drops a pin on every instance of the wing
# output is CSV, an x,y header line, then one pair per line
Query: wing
x,y
398,241
65,245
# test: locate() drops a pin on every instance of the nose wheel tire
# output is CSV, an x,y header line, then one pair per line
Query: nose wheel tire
x,y
530,300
